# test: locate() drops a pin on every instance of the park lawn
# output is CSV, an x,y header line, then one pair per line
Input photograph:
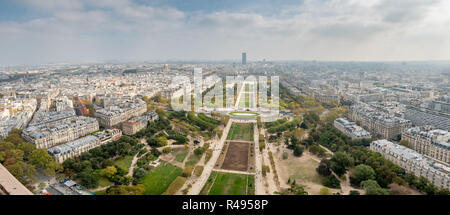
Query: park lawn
x,y
241,131
124,162
175,186
100,192
192,160
208,183
102,181
302,169
250,185
230,184
158,180
181,156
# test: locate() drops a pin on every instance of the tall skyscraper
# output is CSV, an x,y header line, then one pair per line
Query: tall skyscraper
x,y
244,58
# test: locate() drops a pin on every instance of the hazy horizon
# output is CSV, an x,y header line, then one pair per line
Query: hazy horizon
x,y
80,31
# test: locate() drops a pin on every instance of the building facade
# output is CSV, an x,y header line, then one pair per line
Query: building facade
x,y
51,134
73,149
413,162
432,143
134,125
115,114
379,124
351,129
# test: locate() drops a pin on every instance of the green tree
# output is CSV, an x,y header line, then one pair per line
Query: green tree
x,y
108,172
124,148
27,148
340,162
362,172
161,141
372,188
324,167
41,159
167,150
126,190
298,150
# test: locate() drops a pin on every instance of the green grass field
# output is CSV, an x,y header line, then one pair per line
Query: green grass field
x,y
229,184
181,156
102,181
241,131
124,162
158,180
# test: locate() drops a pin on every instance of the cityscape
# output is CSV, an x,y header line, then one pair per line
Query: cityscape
x,y
243,122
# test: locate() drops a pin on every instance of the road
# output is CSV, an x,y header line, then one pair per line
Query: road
x,y
259,181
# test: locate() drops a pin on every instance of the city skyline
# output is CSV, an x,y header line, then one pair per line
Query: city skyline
x,y
80,31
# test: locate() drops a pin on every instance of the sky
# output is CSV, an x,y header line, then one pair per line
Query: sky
x,y
81,31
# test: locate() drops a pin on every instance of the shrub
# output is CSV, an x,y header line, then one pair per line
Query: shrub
x,y
208,155
167,150
198,171
187,171
331,182
199,151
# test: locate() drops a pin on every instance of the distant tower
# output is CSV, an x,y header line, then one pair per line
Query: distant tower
x,y
166,68
244,58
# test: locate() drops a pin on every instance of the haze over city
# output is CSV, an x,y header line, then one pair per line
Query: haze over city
x,y
80,31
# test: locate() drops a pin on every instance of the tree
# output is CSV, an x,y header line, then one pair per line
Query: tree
x,y
324,167
40,158
88,179
167,150
340,161
123,148
126,190
161,141
199,151
372,188
140,173
297,190
362,172
27,148
332,182
298,150
108,172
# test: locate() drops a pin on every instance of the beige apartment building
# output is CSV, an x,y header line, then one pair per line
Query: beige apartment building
x,y
413,162
52,134
432,143
379,124
114,115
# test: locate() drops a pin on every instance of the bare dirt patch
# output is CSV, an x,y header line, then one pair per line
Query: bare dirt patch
x,y
237,156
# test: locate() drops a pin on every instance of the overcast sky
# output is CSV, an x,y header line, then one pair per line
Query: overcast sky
x,y
45,31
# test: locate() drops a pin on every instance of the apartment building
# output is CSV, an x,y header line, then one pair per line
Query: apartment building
x,y
432,143
379,124
413,162
113,115
51,134
73,149
351,129
133,125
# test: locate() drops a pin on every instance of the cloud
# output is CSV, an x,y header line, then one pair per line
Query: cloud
x,y
325,29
